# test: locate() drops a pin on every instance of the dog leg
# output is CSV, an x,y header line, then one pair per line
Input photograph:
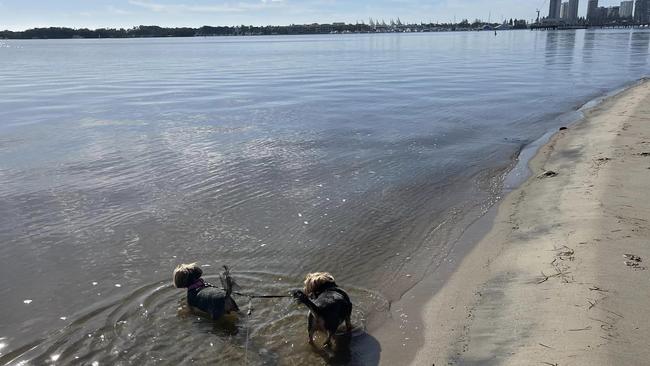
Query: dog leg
x,y
328,343
311,327
231,305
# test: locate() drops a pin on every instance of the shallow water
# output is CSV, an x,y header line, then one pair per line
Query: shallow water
x,y
363,155
152,325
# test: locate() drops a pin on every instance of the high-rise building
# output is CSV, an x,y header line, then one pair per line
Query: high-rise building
x,y
602,14
642,11
564,11
573,10
626,10
613,12
592,11
554,9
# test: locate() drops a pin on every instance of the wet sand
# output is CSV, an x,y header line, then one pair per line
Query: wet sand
x,y
561,277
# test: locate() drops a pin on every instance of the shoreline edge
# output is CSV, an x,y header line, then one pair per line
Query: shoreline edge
x,y
560,276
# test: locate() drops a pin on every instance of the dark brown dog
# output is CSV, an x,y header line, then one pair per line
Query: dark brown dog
x,y
329,306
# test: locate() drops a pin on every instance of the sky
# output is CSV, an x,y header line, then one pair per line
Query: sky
x,y
24,14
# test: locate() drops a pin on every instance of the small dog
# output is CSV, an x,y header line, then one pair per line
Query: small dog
x,y
204,296
329,306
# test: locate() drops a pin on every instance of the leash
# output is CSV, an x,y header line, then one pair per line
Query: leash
x,y
248,319
248,315
228,283
261,296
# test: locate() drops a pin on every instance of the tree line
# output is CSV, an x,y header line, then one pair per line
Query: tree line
x,y
242,30
156,31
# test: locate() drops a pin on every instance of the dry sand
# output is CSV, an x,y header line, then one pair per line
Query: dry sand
x,y
549,284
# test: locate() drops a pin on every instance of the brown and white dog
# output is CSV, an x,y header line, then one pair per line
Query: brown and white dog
x,y
203,296
329,306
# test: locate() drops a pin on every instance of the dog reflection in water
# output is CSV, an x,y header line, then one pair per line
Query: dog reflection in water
x,y
203,298
329,306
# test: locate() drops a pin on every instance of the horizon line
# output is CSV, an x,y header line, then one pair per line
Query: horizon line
x,y
362,22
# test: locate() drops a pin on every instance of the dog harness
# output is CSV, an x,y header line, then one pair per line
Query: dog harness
x,y
334,288
198,284
340,292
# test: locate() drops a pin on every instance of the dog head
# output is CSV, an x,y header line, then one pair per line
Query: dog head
x,y
316,282
185,274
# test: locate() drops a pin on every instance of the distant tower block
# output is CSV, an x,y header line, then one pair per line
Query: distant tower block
x,y
564,11
642,11
554,9
573,10
627,9
592,10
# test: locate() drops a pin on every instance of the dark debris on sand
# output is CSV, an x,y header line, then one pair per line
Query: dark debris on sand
x,y
547,174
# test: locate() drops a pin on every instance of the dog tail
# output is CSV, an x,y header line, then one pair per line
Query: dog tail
x,y
226,281
304,299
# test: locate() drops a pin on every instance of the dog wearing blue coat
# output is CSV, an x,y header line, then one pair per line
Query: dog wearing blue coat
x,y
203,297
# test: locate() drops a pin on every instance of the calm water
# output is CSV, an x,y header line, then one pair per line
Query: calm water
x,y
363,155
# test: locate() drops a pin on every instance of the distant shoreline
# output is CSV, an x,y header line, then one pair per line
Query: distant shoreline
x,y
152,31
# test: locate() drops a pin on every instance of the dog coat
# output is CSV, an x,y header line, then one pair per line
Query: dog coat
x,y
207,298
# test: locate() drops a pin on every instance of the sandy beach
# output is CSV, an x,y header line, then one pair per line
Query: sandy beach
x,y
561,278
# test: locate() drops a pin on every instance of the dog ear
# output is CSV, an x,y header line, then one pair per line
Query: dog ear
x,y
195,272
309,284
180,276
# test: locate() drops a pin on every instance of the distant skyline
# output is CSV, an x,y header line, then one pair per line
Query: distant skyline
x,y
24,14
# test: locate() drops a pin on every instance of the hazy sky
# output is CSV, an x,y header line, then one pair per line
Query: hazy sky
x,y
22,14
